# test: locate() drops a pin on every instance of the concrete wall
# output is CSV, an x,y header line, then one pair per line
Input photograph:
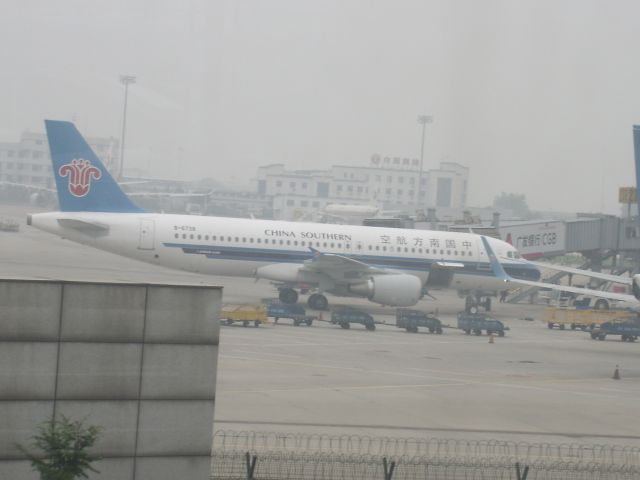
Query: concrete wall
x,y
139,360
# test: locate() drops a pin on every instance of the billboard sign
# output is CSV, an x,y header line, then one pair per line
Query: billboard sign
x,y
535,240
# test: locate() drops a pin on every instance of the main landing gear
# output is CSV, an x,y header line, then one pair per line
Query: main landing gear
x,y
288,296
318,302
472,304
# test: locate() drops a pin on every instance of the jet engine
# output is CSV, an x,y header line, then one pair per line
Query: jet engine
x,y
396,290
635,285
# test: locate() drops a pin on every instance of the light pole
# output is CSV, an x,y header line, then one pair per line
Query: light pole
x,y
126,80
422,120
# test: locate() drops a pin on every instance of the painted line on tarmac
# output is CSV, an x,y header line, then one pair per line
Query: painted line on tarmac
x,y
431,429
338,388
334,367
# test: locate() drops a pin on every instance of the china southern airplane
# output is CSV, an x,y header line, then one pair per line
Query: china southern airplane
x,y
389,266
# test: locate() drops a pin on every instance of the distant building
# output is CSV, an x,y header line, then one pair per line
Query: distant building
x,y
28,161
388,183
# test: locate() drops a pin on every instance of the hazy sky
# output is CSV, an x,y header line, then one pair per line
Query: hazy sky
x,y
536,97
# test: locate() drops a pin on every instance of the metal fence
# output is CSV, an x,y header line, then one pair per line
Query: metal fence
x,y
269,455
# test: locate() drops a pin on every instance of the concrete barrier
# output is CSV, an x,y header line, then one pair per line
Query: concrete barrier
x,y
139,360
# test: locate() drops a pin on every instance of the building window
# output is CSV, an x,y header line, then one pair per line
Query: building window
x,y
290,203
292,185
279,183
400,179
315,204
304,203
389,179
304,185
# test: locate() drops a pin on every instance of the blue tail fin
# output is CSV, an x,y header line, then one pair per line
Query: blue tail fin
x,y
83,182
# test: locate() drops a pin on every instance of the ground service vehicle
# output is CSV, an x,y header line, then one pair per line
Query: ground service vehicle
x,y
245,314
412,319
295,312
629,331
345,316
581,318
476,323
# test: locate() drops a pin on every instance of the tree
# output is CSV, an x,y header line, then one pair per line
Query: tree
x,y
64,445
516,202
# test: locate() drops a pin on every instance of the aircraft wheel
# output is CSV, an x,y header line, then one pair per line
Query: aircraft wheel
x,y
318,302
288,296
601,304
487,304
470,304
501,333
345,325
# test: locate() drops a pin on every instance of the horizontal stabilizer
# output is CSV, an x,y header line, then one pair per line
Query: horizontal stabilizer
x,y
84,226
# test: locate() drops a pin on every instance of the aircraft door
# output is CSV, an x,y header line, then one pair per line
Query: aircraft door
x,y
147,234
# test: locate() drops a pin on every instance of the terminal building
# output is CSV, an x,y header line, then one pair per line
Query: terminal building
x,y
390,183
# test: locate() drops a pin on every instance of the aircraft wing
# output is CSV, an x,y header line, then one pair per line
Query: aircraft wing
x,y
339,266
500,273
586,273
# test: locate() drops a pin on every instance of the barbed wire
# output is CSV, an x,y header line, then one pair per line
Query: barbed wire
x,y
231,440
281,465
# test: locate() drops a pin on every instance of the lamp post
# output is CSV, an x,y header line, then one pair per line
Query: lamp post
x,y
126,80
422,120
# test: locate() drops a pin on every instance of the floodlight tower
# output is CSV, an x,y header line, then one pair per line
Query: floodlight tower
x,y
126,80
422,120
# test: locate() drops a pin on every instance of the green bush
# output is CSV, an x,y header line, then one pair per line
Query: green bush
x,y
62,447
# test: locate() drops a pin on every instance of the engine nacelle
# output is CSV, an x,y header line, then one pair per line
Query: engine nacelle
x,y
635,285
395,290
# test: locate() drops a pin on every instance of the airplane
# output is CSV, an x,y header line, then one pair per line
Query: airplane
x,y
388,266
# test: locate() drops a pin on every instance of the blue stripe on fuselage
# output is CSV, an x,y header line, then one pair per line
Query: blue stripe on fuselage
x,y
520,271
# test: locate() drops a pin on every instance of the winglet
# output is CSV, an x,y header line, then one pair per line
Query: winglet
x,y
497,269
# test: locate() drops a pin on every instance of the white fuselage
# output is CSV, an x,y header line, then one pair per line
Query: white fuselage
x,y
238,247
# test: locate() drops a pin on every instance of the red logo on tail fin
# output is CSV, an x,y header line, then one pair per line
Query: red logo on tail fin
x,y
80,173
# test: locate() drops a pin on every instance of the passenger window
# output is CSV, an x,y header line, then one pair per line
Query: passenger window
x,y
448,252
199,237
420,250
384,249
273,241
295,242
288,242
413,250
333,245
406,249
281,242
237,239
324,244
441,252
377,247
191,236
206,237
244,240
213,237
302,243
259,240
184,235
251,240
177,235
229,238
